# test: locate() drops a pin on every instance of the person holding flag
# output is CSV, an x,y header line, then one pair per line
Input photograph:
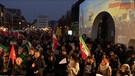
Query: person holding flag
x,y
84,49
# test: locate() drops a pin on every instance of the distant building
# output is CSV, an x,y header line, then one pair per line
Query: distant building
x,y
1,14
75,16
8,18
42,21
17,15
24,22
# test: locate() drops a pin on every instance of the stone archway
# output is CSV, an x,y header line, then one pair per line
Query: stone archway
x,y
103,27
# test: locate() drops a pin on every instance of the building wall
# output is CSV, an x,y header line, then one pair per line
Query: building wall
x,y
1,15
122,12
8,18
17,15
42,21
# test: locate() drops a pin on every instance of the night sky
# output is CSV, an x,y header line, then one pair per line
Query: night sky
x,y
30,9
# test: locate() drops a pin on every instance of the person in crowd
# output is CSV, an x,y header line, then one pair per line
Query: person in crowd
x,y
89,67
19,52
29,62
50,68
6,66
97,49
104,68
133,69
24,57
31,53
131,59
108,48
100,55
73,65
122,54
19,68
38,64
124,70
114,62
61,68
129,51
73,49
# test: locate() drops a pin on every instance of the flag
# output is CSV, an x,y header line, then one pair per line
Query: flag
x,y
122,4
114,4
19,36
12,53
16,31
29,45
54,42
63,61
127,5
84,49
3,48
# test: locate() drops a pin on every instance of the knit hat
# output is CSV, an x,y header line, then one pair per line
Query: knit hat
x,y
105,60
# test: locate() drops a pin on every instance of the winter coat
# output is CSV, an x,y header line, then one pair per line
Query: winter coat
x,y
50,68
74,68
104,71
39,66
126,73
89,69
7,66
19,70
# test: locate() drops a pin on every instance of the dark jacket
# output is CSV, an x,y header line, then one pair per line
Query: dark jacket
x,y
50,68
8,66
89,69
39,66
19,70
128,73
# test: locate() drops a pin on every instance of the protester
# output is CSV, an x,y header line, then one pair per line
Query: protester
x,y
89,67
19,68
73,66
24,57
104,68
124,71
19,52
57,62
50,68
114,62
29,63
38,64
133,69
6,66
61,67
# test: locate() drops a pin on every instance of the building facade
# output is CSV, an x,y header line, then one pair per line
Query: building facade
x,y
110,20
8,19
42,21
1,15
75,16
17,17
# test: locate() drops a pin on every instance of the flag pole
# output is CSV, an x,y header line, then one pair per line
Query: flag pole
x,y
8,63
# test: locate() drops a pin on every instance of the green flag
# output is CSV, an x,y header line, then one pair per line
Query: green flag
x,y
3,48
84,49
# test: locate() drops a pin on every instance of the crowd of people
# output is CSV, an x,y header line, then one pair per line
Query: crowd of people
x,y
106,58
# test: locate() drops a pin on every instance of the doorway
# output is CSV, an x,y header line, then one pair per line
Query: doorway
x,y
103,27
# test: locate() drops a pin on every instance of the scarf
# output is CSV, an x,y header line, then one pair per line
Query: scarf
x,y
103,67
